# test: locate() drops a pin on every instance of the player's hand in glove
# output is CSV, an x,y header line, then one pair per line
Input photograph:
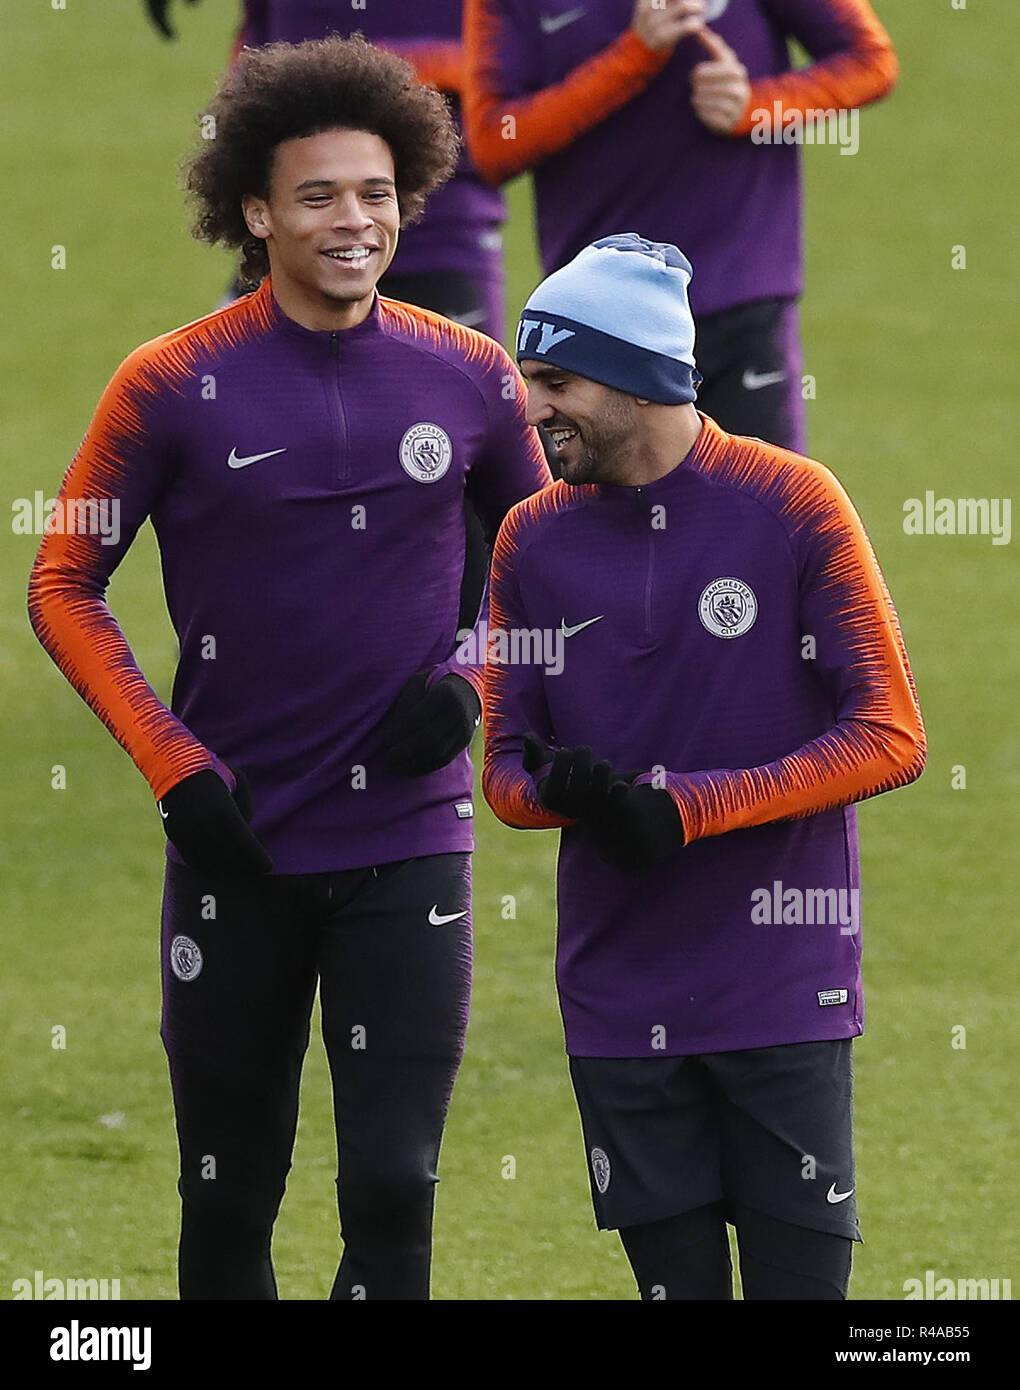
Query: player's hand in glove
x,y
426,728
157,13
631,827
208,825
638,828
575,784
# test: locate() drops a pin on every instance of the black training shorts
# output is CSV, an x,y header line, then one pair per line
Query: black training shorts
x,y
768,1127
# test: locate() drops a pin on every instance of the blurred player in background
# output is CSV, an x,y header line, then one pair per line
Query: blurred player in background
x,y
303,455
732,680
638,115
452,260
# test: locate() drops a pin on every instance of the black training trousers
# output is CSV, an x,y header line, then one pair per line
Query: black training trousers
x,y
390,949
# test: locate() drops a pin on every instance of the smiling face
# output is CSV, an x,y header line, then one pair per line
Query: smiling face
x,y
330,224
592,426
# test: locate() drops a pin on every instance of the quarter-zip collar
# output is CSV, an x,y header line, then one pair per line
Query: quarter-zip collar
x,y
659,490
368,328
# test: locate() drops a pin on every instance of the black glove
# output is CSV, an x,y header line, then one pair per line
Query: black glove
x,y
630,827
157,13
575,785
426,729
638,827
209,826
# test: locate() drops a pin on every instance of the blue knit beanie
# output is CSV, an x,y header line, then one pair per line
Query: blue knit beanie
x,y
618,314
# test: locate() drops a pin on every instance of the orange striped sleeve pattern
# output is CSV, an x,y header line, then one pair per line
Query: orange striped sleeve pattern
x,y
863,69
124,458
878,740
431,330
506,134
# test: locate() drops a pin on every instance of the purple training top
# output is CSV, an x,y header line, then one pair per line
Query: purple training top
x,y
724,631
307,493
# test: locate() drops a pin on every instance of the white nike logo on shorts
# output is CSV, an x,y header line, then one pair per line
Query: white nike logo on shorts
x,y
832,1196
439,921
470,318
754,381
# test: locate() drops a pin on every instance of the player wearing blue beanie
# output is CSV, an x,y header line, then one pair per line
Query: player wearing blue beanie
x,y
612,335
710,1039
618,314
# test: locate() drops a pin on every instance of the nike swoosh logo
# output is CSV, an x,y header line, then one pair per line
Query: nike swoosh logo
x,y
832,1196
234,462
752,381
469,319
159,808
578,627
553,23
439,921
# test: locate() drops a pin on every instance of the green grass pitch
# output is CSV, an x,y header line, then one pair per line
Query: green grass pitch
x,y
914,369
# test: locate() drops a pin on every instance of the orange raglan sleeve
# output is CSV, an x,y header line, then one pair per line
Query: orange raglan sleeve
x,y
511,128
877,739
438,62
856,62
124,463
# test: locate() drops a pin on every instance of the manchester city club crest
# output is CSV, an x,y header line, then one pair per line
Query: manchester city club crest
x,y
727,608
600,1168
425,452
185,958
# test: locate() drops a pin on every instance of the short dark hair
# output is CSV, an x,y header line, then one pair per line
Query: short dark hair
x,y
286,91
